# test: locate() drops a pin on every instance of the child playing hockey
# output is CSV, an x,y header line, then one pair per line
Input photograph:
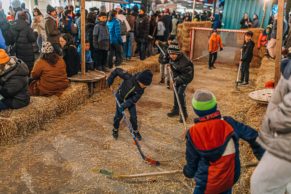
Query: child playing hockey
x,y
183,73
212,147
247,56
214,44
128,93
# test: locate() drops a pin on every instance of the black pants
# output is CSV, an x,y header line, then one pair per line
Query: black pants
x,y
245,67
142,46
101,59
133,118
212,59
181,93
115,50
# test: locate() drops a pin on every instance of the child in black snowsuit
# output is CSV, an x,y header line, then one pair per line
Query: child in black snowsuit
x,y
128,93
247,56
183,74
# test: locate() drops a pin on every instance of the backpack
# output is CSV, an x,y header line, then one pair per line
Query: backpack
x,y
123,28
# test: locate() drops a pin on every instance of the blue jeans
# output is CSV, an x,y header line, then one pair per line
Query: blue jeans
x,y
127,47
3,106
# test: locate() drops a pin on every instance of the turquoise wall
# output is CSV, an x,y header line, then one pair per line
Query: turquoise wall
x,y
235,9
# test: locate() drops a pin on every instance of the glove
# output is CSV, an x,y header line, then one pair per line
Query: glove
x,y
221,49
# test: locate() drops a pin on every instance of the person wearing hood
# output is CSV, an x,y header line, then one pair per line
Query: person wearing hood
x,y
255,22
14,76
25,37
212,146
26,11
142,28
49,73
113,26
275,137
51,28
128,94
101,42
183,74
124,25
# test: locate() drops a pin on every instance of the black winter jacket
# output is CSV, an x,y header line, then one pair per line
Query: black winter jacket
x,y
247,51
101,36
89,34
183,70
72,60
142,27
129,92
167,19
14,84
24,39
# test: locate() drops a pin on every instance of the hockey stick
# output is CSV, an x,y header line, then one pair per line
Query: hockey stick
x,y
178,99
170,172
239,70
127,122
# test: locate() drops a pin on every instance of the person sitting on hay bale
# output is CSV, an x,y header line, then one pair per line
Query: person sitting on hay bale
x,y
128,93
13,82
212,146
49,73
273,174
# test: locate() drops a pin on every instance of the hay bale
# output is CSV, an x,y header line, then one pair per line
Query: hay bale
x,y
265,72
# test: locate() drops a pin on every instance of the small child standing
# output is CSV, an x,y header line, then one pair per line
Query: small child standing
x,y
101,42
246,57
212,146
88,56
214,44
128,93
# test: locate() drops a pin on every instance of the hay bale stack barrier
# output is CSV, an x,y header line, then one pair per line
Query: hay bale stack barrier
x,y
17,124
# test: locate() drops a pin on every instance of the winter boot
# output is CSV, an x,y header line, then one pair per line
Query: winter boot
x,y
173,113
162,81
115,133
137,135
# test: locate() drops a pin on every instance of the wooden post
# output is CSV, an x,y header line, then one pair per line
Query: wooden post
x,y
83,17
279,40
264,16
194,5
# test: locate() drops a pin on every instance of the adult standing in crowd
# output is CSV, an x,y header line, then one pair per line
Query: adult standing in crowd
x,y
51,28
161,30
142,32
24,38
174,27
245,21
273,173
167,19
70,54
13,82
21,8
115,40
89,28
49,73
255,22
101,42
38,24
131,18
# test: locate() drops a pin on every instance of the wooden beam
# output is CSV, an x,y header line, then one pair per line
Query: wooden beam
x,y
83,20
279,40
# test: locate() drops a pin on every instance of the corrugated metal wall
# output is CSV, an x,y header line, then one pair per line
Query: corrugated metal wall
x,y
235,9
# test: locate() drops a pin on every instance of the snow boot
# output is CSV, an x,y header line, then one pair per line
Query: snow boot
x,y
162,81
173,113
115,133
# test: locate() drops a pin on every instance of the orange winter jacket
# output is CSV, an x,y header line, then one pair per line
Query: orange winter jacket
x,y
214,42
263,40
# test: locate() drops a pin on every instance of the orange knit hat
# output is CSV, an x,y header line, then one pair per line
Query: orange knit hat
x,y
4,58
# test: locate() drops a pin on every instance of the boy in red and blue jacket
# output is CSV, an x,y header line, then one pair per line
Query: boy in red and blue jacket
x,y
212,148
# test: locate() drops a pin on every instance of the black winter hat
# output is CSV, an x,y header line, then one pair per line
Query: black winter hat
x,y
174,48
145,77
50,9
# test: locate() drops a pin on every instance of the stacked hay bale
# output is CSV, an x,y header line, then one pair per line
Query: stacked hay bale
x,y
184,31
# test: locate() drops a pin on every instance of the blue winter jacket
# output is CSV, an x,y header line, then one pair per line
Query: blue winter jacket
x,y
114,31
212,153
2,41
